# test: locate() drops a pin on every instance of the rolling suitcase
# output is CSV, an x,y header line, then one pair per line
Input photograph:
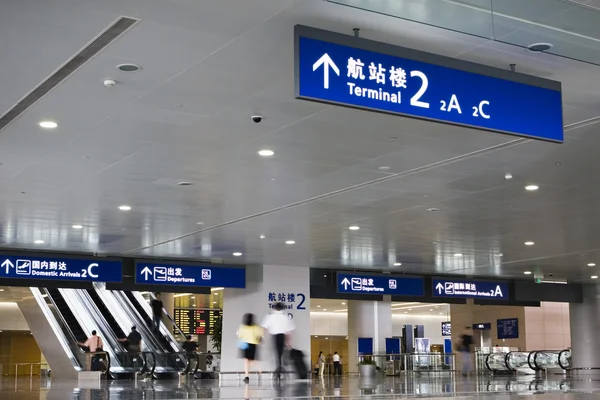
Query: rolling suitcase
x,y
297,358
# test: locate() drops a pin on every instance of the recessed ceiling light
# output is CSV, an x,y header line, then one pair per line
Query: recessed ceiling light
x,y
266,153
48,124
124,207
128,67
237,254
433,209
262,236
405,312
594,277
77,226
290,242
508,177
591,264
325,310
527,272
384,168
458,255
354,228
532,188
185,183
200,223
343,303
410,309
539,47
38,241
529,243
431,309
440,313
318,306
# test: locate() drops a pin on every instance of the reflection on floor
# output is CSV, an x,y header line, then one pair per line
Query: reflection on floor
x,y
347,387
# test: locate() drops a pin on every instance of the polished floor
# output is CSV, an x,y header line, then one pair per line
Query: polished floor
x,y
421,386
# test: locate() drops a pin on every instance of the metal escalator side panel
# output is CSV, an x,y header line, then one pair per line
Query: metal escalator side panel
x,y
48,334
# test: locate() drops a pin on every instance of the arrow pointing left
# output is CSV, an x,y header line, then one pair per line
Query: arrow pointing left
x,y
146,271
8,265
327,63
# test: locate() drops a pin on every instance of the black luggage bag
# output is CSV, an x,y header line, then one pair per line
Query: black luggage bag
x,y
297,358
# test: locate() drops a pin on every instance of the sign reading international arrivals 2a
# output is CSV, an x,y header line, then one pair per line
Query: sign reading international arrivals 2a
x,y
462,288
61,269
380,285
355,72
189,275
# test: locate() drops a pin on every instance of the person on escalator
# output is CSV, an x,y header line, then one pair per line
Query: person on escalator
x,y
157,309
133,342
189,345
92,345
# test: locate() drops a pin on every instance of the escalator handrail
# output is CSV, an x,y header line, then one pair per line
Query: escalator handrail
x,y
104,353
533,355
145,354
561,364
169,317
63,321
507,362
487,362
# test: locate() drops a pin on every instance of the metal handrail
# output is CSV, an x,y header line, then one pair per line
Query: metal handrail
x,y
31,365
561,364
104,353
145,355
533,356
170,318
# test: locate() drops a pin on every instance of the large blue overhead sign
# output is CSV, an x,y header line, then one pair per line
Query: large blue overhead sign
x,y
379,285
349,71
189,275
60,269
470,289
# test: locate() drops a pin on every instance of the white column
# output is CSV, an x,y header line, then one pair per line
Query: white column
x,y
585,325
368,319
261,283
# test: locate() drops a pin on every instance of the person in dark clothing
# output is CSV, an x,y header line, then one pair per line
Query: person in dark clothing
x,y
133,342
189,345
157,309
464,348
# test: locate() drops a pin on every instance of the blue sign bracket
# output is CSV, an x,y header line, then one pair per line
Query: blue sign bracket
x,y
354,72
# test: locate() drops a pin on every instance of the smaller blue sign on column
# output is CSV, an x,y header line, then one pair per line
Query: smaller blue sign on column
x,y
379,284
470,289
61,269
189,275
508,328
446,328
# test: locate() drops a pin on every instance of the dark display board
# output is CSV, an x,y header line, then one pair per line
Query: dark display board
x,y
508,328
197,322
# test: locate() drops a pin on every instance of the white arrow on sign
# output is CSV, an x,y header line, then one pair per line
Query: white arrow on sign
x,y
8,265
327,63
146,271
439,287
345,282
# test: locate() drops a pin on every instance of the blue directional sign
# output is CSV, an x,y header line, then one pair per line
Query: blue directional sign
x,y
379,284
470,289
61,269
508,328
354,72
189,275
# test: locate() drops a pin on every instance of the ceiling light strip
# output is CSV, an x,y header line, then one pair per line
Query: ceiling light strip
x,y
115,30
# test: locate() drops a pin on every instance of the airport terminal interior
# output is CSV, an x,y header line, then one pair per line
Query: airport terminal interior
x,y
272,199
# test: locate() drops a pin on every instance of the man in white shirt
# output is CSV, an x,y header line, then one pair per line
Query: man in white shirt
x,y
337,366
280,327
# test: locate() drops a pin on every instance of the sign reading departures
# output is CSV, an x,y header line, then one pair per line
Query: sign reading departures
x,y
189,275
379,284
355,72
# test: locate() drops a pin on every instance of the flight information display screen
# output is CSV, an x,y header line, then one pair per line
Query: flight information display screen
x,y
197,321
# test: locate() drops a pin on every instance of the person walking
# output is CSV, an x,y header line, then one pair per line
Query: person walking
x,y
464,349
280,327
321,363
157,310
92,345
133,341
337,366
250,335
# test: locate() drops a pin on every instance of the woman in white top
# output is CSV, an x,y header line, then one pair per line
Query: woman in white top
x,y
321,361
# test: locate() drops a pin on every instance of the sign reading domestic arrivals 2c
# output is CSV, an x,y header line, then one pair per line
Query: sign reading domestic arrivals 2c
x,y
61,269
470,289
355,72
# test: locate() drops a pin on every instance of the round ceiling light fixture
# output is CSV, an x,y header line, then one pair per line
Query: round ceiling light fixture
x,y
125,207
384,168
237,254
39,241
594,277
354,227
290,242
591,264
48,124
539,47
532,188
527,272
77,226
265,153
458,255
262,236
529,243
397,264
185,183
508,177
433,209
128,67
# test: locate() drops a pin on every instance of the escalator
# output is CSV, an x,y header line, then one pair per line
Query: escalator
x,y
166,346
66,313
106,314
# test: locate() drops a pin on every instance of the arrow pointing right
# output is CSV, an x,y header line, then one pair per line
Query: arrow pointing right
x,y
327,63
439,287
8,264
345,282
146,271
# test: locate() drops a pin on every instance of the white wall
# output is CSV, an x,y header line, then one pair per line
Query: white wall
x,y
11,318
336,324
547,327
